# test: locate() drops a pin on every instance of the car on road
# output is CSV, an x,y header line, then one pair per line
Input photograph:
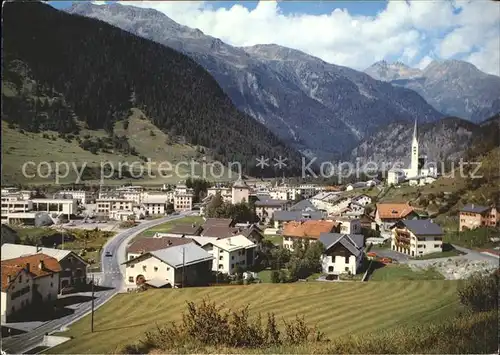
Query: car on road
x,y
108,253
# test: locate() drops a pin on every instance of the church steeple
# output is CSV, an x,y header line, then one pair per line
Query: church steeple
x,y
414,152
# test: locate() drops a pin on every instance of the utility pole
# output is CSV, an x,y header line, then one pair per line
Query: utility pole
x,y
183,263
92,314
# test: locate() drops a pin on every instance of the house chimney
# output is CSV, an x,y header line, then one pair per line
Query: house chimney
x,y
41,266
169,242
27,267
472,205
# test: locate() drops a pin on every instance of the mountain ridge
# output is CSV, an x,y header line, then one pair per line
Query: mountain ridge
x,y
454,87
316,106
94,66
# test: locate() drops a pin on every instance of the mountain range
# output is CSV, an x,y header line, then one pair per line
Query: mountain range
x,y
317,107
454,87
68,74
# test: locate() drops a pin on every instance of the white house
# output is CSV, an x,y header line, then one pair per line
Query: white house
x,y
155,204
228,252
362,200
348,225
343,253
417,237
81,196
28,281
73,267
180,265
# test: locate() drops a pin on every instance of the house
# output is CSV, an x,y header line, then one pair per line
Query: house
x,y
240,191
386,214
265,208
145,245
73,267
362,200
182,229
155,205
224,222
105,205
305,231
304,205
183,198
343,253
348,225
175,266
28,281
281,217
229,253
63,206
356,185
473,216
225,193
417,237
81,196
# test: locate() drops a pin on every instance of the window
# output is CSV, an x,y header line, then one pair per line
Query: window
x,y
232,257
220,257
144,268
168,269
333,258
347,260
437,245
130,257
131,279
221,266
232,266
51,284
132,265
156,269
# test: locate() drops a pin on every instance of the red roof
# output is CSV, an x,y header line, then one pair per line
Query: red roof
x,y
31,263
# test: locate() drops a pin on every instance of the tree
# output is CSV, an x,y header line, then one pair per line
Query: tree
x,y
170,208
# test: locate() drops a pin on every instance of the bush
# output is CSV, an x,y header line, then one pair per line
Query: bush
x,y
480,292
209,325
275,277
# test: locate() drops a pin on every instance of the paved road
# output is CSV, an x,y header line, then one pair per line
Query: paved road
x,y
112,277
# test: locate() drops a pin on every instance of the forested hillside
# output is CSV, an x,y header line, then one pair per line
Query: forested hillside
x,y
91,72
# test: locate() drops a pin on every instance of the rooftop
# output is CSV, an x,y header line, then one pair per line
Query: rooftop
x,y
145,245
308,229
472,208
11,251
297,215
186,229
393,210
421,226
352,242
31,263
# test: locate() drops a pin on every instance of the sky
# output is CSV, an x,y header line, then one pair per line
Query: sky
x,y
354,34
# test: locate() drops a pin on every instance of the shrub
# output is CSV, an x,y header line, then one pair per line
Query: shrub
x,y
275,277
480,292
207,324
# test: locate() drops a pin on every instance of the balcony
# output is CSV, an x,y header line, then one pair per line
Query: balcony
x,y
403,239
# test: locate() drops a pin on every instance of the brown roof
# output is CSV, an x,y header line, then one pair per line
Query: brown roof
x,y
185,229
219,222
145,245
393,210
219,231
308,229
11,267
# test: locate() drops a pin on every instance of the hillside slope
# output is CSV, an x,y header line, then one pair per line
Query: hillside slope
x,y
102,72
454,87
318,107
448,139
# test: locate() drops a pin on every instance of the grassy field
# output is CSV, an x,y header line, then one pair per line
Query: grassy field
x,y
403,272
336,308
165,227
146,138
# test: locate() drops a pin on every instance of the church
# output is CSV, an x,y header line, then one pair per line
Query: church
x,y
417,173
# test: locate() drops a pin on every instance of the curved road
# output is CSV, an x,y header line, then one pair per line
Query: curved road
x,y
112,277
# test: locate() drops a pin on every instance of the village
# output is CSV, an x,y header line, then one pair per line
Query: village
x,y
133,238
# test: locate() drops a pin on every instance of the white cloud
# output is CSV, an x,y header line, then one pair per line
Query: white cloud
x,y
424,62
411,32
